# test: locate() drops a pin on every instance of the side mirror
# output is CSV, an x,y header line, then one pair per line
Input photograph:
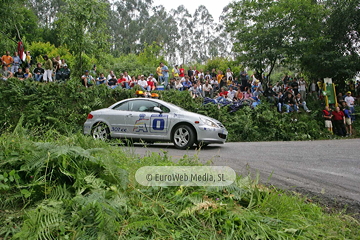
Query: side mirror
x,y
157,109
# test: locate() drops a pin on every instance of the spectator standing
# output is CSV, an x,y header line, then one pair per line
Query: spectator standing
x,y
165,73
48,69
16,63
302,88
159,73
190,72
229,74
181,71
243,79
348,123
327,115
295,86
339,122
176,72
350,101
28,60
93,72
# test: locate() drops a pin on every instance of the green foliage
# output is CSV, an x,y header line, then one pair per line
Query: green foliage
x,y
222,64
64,108
38,49
80,188
45,106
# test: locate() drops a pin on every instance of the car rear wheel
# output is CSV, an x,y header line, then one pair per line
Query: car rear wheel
x,y
101,131
183,137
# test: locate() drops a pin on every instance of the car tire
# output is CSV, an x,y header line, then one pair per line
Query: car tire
x,y
100,131
183,137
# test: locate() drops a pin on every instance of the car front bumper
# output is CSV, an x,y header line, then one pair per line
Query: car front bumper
x,y
208,134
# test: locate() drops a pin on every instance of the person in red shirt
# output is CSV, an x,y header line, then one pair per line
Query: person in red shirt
x,y
327,115
339,122
223,93
151,83
182,71
123,82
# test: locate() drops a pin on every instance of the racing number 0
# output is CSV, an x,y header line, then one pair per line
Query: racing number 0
x,y
158,124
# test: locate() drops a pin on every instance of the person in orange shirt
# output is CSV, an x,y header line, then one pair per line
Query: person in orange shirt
x,y
7,60
219,76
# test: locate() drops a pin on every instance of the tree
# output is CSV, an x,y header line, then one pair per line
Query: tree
x,y
335,53
268,32
82,25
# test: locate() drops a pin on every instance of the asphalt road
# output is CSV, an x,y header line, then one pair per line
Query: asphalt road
x,y
327,169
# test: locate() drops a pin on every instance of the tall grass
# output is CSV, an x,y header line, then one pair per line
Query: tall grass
x,y
73,187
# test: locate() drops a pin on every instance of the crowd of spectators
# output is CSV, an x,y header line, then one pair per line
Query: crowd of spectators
x,y
339,120
54,69
288,95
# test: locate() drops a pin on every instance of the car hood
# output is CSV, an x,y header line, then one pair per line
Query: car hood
x,y
195,115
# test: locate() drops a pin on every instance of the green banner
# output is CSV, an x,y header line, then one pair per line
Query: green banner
x,y
330,93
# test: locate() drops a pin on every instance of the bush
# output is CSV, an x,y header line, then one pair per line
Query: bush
x,y
64,107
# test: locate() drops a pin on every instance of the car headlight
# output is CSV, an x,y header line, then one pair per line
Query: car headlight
x,y
209,122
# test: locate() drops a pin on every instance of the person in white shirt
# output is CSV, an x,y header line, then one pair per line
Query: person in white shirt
x,y
142,83
110,75
207,89
229,74
350,102
277,88
302,88
231,93
178,85
201,74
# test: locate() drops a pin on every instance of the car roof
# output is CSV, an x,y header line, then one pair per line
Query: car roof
x,y
146,99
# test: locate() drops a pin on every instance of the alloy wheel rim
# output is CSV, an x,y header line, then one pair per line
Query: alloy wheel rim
x,y
181,137
100,133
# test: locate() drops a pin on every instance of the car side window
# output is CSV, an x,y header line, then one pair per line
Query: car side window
x,y
142,106
122,106
164,109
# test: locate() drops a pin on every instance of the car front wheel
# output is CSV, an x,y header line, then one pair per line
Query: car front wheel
x,y
183,137
101,131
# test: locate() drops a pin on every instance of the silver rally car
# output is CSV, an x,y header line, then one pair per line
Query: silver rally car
x,y
153,120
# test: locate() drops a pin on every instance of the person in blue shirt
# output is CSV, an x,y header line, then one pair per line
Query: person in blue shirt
x,y
16,63
187,84
348,122
165,73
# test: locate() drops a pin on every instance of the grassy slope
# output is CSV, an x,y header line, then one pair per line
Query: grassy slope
x,y
61,187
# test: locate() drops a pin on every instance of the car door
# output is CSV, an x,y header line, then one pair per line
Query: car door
x,y
117,119
145,122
